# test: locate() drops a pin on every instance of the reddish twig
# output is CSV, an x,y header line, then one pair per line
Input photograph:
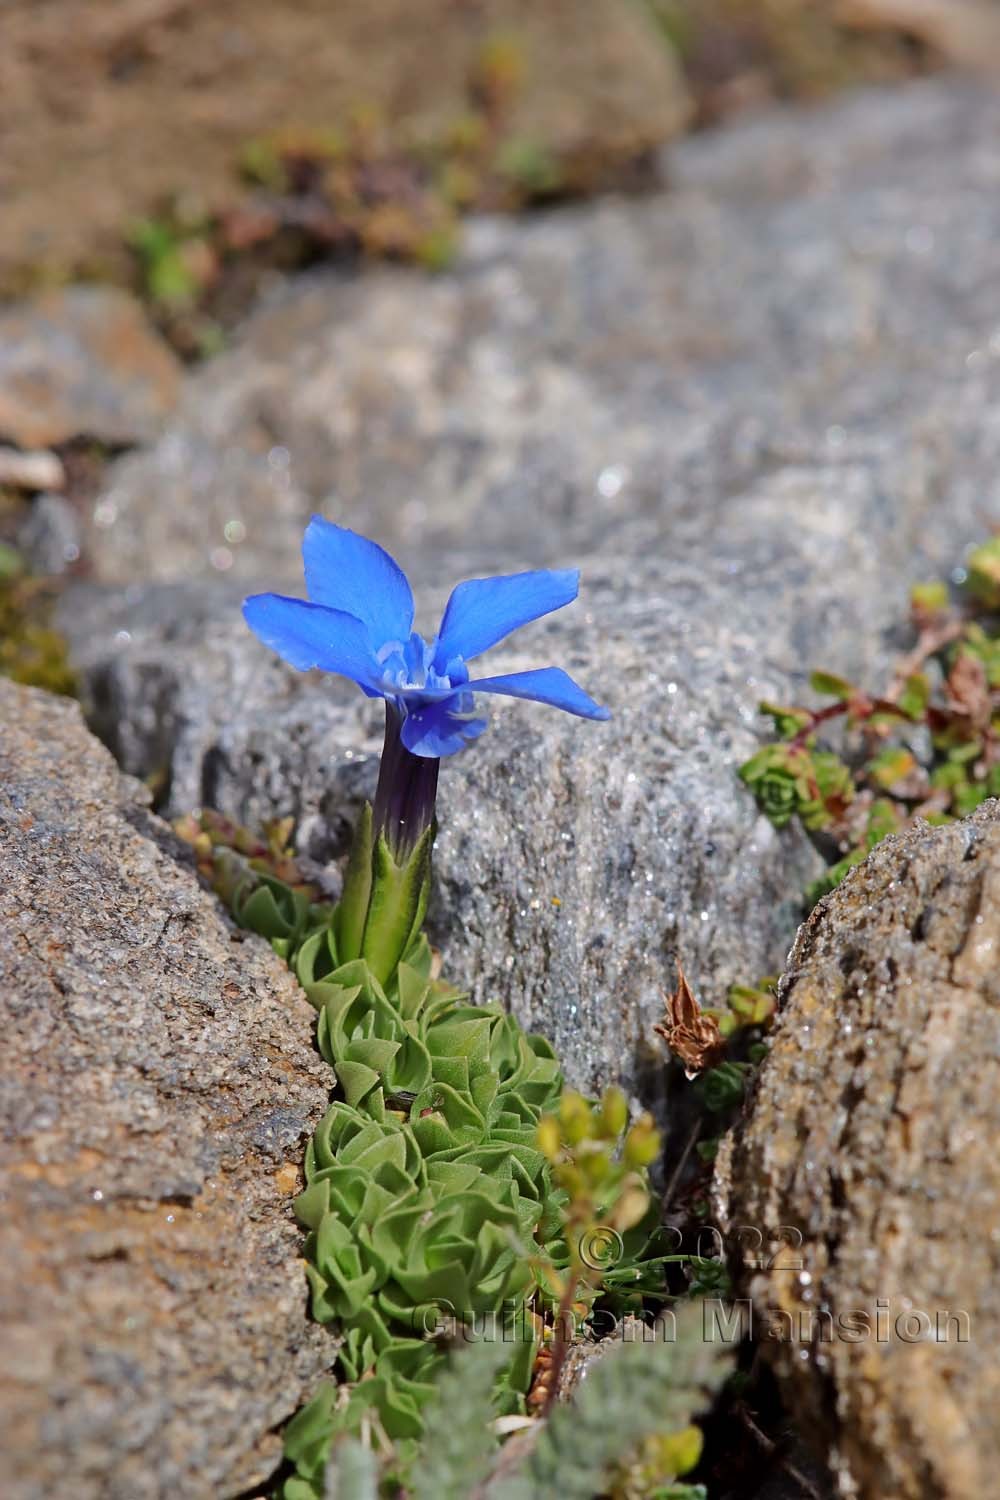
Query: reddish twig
x,y
816,718
563,1338
932,639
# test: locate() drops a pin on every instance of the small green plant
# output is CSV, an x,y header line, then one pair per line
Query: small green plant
x,y
172,260
609,1219
450,1182
530,168
928,746
720,1047
454,1191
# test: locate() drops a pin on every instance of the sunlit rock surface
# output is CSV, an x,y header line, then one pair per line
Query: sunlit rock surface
x,y
83,362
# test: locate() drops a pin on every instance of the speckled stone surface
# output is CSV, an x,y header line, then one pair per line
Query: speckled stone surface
x,y
83,362
573,859
872,1137
158,1081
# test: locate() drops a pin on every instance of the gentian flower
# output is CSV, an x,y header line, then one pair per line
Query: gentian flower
x,y
358,623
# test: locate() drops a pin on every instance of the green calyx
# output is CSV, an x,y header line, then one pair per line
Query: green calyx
x,y
397,905
384,900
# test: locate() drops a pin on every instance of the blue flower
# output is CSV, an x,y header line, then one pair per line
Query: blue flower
x,y
359,623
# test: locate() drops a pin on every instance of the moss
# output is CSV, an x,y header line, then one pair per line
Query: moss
x,y
31,650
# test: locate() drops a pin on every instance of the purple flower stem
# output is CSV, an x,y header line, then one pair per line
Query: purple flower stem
x,y
406,792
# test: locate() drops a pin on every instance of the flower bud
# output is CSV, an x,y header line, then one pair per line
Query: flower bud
x,y
642,1144
595,1166
575,1118
984,573
548,1137
631,1207
613,1117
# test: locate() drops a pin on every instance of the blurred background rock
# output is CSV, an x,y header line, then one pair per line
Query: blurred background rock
x,y
108,109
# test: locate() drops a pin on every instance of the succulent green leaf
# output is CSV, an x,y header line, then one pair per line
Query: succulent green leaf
x,y
915,695
829,685
828,882
307,1443
891,766
788,721
967,798
316,959
723,1087
779,777
412,988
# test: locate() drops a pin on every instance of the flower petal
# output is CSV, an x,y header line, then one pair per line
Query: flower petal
x,y
308,635
348,572
543,685
435,729
484,610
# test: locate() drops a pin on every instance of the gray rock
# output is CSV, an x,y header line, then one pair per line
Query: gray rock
x,y
49,536
752,409
868,1165
83,362
159,1081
